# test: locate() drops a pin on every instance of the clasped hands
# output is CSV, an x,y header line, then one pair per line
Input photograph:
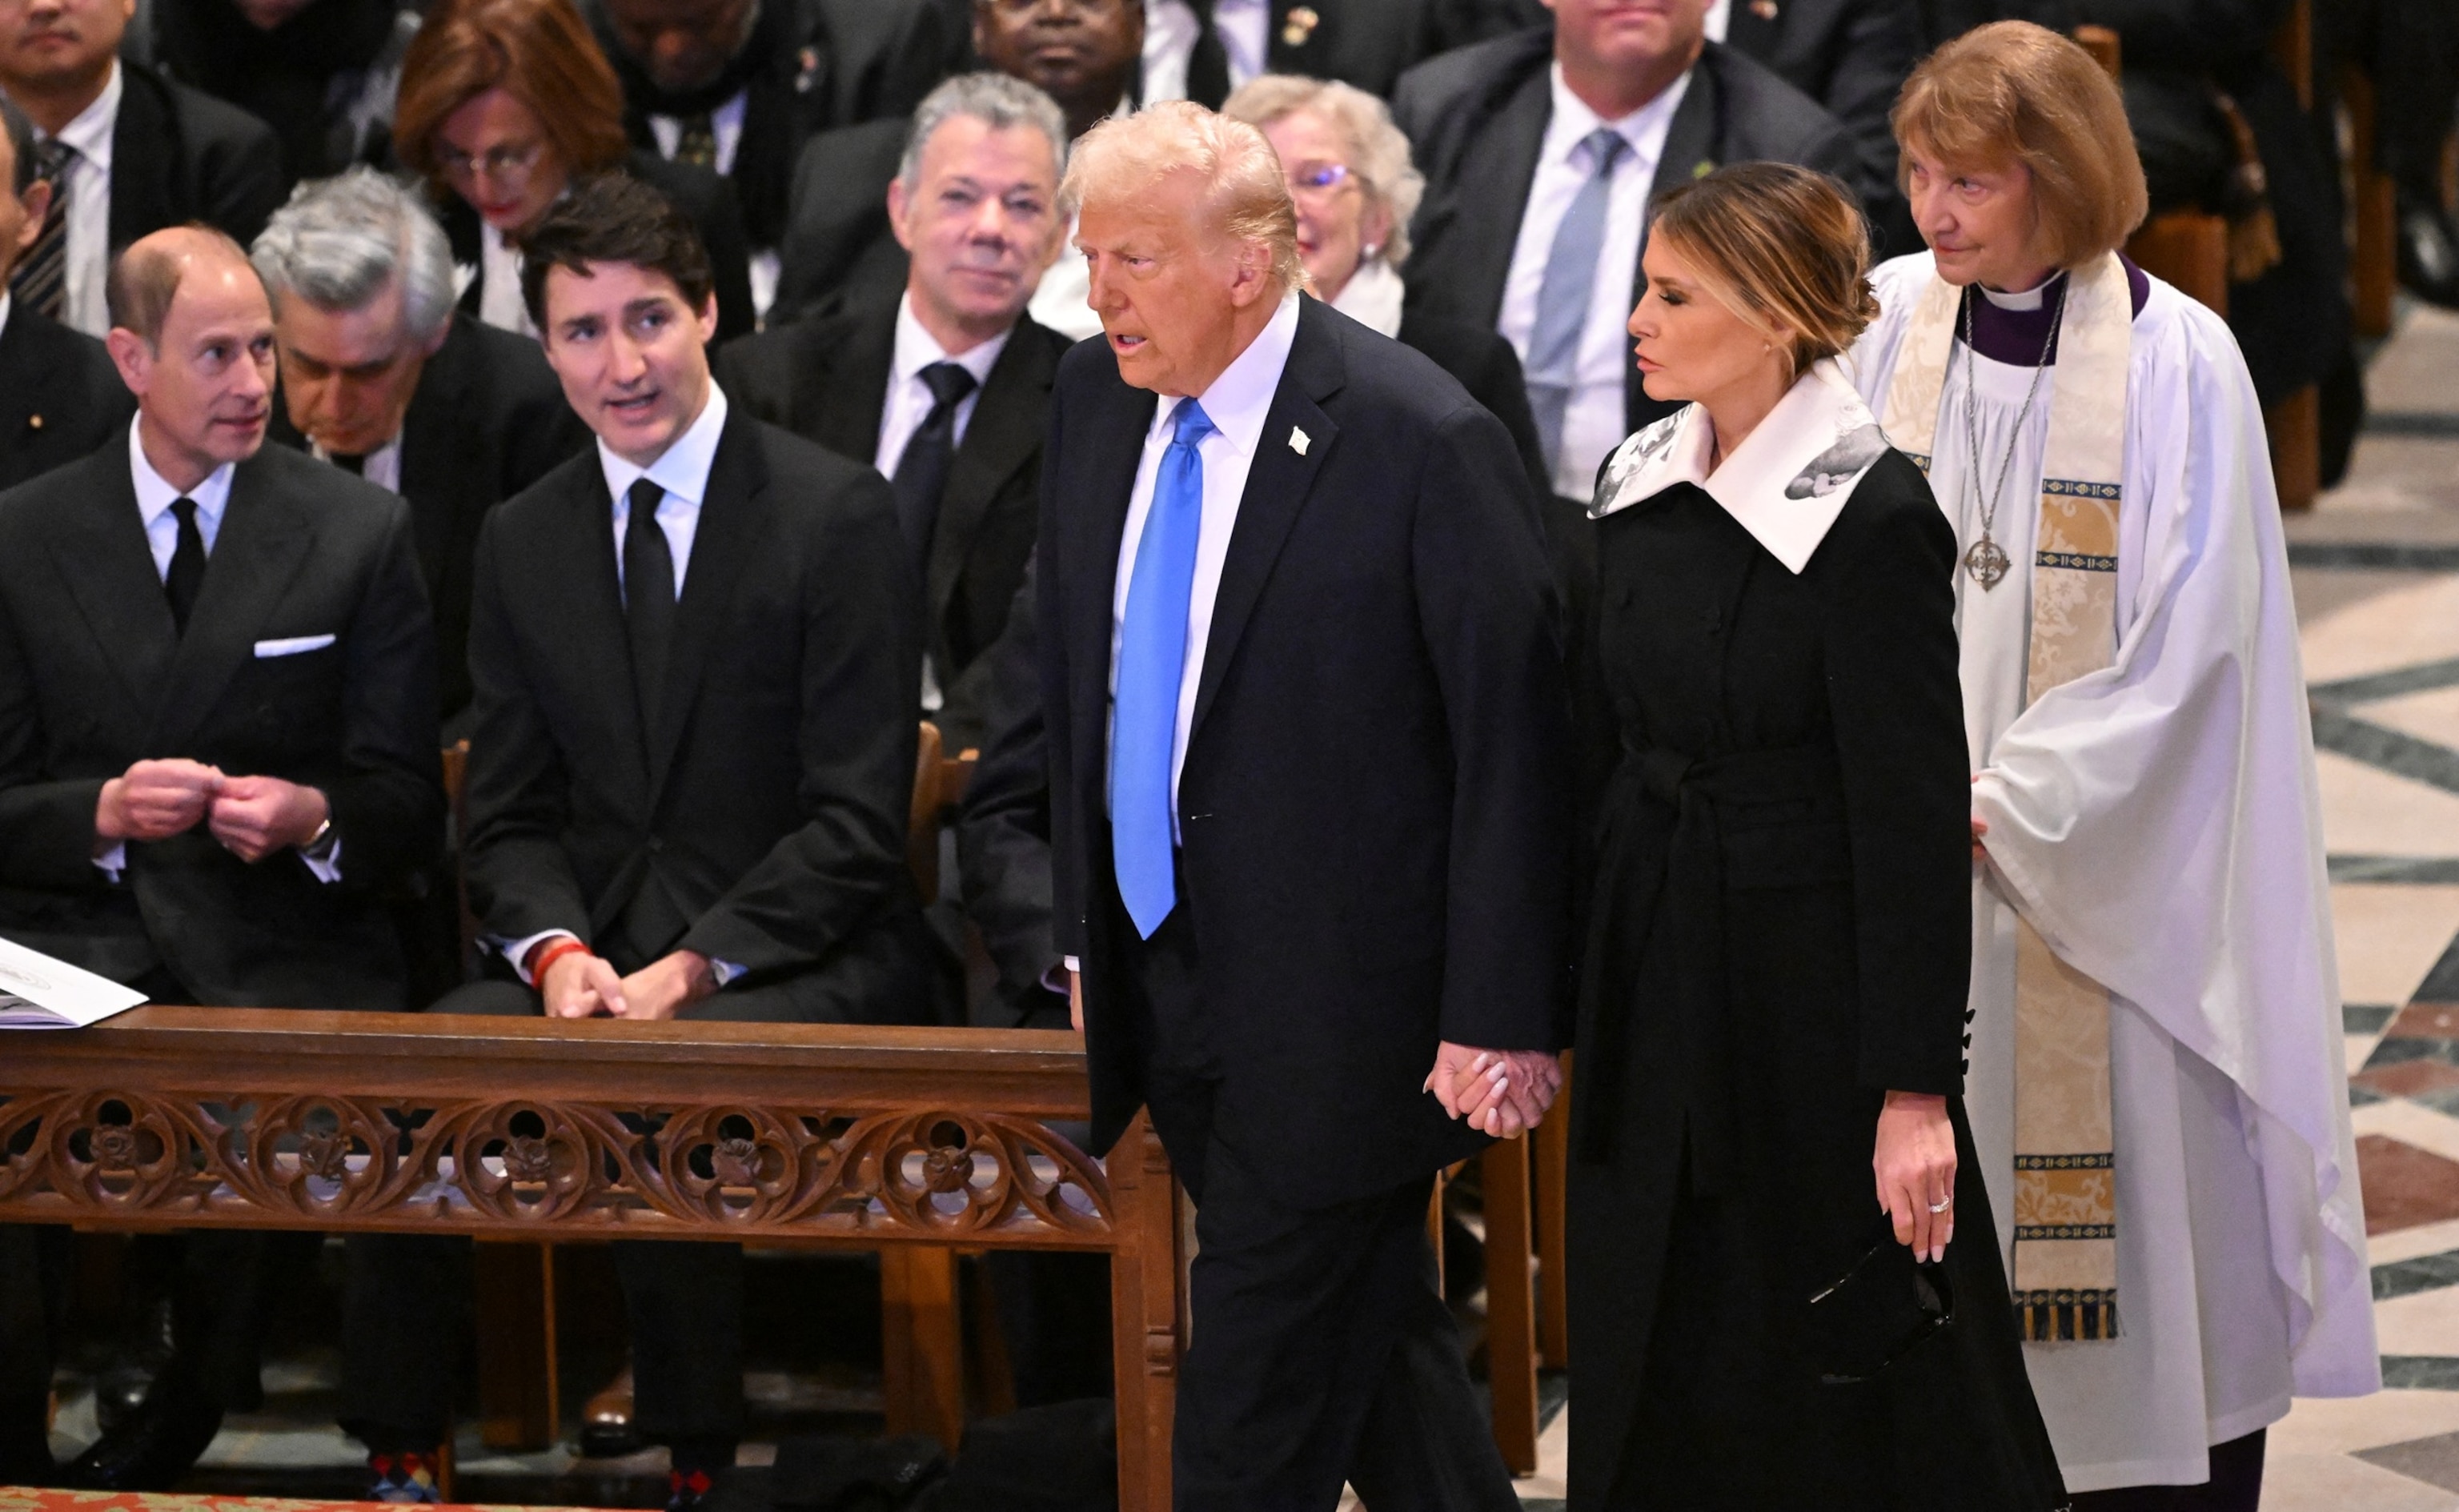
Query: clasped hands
x,y
1502,1093
251,817
579,985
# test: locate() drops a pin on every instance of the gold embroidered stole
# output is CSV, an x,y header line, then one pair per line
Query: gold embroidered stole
x,y
2065,1276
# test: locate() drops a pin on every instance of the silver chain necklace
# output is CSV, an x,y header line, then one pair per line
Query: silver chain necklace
x,y
1987,561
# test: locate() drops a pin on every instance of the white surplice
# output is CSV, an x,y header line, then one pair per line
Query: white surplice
x,y
2159,823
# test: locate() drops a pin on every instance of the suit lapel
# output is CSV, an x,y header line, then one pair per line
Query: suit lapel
x,y
730,534
1492,193
145,159
1118,445
264,539
853,387
438,457
25,369
583,599
103,557
1003,436
1277,484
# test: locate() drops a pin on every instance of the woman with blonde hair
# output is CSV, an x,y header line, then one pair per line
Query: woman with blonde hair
x,y
2155,1079
503,105
1780,1275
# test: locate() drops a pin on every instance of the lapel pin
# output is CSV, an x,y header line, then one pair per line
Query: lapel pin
x,y
1298,440
1703,167
1764,9
1299,25
34,422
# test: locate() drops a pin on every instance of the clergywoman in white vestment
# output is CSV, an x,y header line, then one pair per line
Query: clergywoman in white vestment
x,y
2156,1084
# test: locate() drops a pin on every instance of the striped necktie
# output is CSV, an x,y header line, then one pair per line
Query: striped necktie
x,y
41,279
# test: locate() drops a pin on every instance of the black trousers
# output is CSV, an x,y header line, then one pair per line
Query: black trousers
x,y
1322,1351
2235,1485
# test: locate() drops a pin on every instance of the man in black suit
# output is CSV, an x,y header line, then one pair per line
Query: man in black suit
x,y
128,151
1202,49
382,377
1083,53
216,736
944,389
695,652
1304,700
1852,56
1542,152
59,395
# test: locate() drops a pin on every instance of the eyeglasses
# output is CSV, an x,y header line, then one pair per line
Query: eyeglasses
x,y
512,160
1319,181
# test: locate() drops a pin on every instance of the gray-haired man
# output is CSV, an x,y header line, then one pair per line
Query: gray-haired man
x,y
380,376
944,389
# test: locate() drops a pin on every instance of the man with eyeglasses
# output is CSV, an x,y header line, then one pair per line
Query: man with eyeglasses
x,y
128,151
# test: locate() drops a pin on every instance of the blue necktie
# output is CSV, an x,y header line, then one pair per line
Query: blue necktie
x,y
1153,662
1563,299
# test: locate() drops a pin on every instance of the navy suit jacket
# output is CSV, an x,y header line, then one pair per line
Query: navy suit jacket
x,y
1372,804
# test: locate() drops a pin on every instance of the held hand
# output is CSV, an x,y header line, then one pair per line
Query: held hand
x,y
155,799
1076,1001
1914,1166
579,985
666,985
1980,828
253,817
1502,1093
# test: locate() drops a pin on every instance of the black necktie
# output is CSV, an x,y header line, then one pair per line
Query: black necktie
x,y
696,142
922,472
648,595
41,279
1208,65
187,574
355,466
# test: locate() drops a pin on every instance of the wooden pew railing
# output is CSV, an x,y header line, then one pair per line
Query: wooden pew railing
x,y
907,1142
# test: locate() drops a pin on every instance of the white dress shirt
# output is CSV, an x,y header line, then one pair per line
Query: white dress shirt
x,y
83,307
212,497
726,123
1593,422
499,293
908,398
381,466
1721,19
1171,30
682,469
1237,403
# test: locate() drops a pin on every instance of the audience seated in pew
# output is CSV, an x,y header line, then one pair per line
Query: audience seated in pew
x,y
943,389
59,397
1203,53
127,151
504,103
2408,51
217,738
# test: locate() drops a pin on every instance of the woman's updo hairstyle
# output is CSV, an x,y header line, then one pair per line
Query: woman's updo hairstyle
x,y
1785,248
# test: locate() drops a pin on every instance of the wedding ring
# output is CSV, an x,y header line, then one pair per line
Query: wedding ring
x,y
1942,1205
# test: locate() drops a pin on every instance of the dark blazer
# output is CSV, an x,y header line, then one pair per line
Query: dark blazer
x,y
704,199
1371,800
825,379
486,420
762,820
60,397
1003,827
179,154
1852,56
1477,119
94,678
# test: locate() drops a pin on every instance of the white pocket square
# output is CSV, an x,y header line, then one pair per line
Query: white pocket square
x,y
291,646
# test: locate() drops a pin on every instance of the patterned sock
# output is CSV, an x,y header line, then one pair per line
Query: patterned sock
x,y
404,1479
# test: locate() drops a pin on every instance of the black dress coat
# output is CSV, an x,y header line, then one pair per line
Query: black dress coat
x,y
94,677
486,420
179,154
1476,120
825,379
1372,795
1779,935
760,820
704,199
60,397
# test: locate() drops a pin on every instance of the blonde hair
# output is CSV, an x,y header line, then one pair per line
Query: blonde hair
x,y
1378,154
2014,93
1247,200
1784,246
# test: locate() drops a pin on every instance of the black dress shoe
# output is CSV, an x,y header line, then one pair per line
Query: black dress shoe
x,y
144,1353
2428,251
153,1447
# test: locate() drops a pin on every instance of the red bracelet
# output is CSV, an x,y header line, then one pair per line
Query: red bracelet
x,y
548,954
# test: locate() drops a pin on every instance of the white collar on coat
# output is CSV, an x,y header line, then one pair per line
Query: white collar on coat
x,y
1785,483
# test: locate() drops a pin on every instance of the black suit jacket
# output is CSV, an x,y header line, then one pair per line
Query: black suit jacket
x,y
1003,827
825,379
837,245
60,397
1373,796
762,820
704,199
486,420
1852,56
1477,119
94,678
179,154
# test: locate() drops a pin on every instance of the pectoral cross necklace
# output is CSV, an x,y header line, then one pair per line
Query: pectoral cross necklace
x,y
1986,561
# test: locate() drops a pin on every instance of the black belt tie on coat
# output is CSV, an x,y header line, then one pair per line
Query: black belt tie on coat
x,y
1680,951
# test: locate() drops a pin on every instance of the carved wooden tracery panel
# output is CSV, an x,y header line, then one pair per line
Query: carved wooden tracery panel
x,y
524,1164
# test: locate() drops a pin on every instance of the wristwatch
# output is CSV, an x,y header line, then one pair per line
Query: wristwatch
x,y
320,845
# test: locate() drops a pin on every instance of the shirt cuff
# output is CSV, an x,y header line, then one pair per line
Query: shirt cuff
x,y
1055,979
114,861
724,971
1072,964
325,860
518,952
